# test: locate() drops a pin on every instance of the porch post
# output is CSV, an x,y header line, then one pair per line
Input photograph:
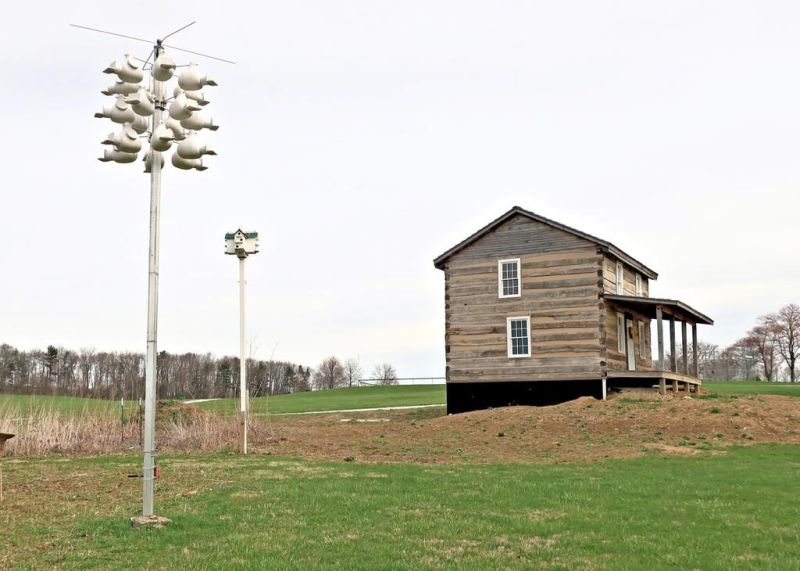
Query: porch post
x,y
660,331
694,350
673,357
685,349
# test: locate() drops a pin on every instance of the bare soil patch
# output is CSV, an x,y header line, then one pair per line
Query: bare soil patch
x,y
586,429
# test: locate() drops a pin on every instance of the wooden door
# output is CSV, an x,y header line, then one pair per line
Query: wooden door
x,y
629,349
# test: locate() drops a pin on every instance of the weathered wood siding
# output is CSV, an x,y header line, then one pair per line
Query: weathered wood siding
x,y
618,361
561,277
629,278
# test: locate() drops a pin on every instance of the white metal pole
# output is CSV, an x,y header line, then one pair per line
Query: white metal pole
x,y
148,470
243,400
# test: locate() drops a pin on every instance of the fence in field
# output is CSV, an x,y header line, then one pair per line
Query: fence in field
x,y
404,381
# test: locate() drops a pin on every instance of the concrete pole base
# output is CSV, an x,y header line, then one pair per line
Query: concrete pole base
x,y
150,521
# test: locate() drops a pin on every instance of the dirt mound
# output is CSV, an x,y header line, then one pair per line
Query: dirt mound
x,y
581,430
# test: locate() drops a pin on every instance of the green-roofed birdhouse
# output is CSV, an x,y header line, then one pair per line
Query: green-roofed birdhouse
x,y
241,243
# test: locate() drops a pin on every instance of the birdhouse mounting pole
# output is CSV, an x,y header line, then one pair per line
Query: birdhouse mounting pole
x,y
243,394
148,469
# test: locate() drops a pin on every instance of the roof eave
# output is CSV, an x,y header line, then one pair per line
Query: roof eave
x,y
439,261
633,262
699,317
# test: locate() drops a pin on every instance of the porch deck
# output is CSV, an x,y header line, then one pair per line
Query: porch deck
x,y
660,377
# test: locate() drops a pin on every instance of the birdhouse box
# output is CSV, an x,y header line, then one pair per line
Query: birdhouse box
x,y
241,243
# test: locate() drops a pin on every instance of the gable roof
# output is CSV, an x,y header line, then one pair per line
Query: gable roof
x,y
232,235
606,246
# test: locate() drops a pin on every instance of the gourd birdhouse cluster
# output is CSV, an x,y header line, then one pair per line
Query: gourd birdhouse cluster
x,y
137,109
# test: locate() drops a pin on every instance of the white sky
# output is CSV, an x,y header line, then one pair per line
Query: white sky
x,y
362,139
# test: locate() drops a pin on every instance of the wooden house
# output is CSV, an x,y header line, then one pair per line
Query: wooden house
x,y
537,312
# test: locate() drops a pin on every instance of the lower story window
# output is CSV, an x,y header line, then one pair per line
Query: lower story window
x,y
519,336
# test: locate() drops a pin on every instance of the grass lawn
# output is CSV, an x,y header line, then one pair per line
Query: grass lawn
x,y
262,512
70,406
336,399
753,388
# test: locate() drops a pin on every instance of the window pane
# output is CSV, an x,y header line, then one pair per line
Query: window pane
x,y
509,276
518,330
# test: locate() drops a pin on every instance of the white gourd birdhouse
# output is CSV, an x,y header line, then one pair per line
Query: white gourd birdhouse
x,y
126,140
163,68
182,107
140,124
162,137
193,147
120,112
187,164
116,156
191,79
128,69
143,103
121,88
199,120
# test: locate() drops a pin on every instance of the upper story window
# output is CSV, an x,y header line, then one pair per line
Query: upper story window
x,y
508,278
620,279
639,286
519,336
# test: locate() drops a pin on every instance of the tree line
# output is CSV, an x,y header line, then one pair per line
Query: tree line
x,y
769,351
114,375
332,373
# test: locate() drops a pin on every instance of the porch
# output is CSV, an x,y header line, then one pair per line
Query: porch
x,y
672,370
690,384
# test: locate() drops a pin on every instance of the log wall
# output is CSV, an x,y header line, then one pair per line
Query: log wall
x,y
618,361
561,281
629,278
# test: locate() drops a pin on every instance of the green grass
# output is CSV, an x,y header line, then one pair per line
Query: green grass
x,y
711,511
69,406
336,399
753,388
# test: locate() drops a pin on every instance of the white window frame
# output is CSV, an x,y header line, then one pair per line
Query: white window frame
x,y
620,285
621,333
639,286
500,278
642,341
527,320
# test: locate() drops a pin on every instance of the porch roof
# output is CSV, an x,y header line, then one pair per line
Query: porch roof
x,y
648,305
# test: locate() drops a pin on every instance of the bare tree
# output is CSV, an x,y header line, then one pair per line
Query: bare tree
x,y
707,359
299,380
352,370
385,374
330,374
762,342
785,326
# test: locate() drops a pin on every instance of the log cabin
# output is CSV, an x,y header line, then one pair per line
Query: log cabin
x,y
537,312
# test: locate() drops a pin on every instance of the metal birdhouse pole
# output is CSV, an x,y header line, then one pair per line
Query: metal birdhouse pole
x,y
242,244
140,111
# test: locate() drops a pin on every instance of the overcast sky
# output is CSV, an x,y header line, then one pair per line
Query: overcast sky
x,y
362,139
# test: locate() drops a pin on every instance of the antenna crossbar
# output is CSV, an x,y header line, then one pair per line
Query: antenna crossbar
x,y
156,42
